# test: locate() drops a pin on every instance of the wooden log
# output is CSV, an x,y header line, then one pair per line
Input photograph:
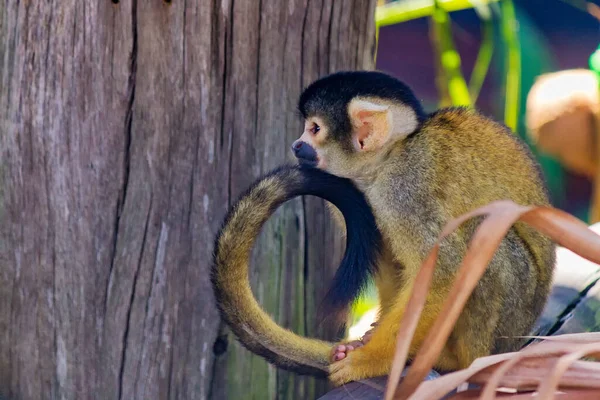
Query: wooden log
x,y
126,130
367,389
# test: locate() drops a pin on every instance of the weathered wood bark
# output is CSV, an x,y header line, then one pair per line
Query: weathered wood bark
x,y
127,128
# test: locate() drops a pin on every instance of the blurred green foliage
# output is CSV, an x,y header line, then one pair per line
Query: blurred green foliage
x,y
515,37
538,59
396,12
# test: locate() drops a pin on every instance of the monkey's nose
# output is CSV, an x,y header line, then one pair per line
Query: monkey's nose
x,y
305,153
296,146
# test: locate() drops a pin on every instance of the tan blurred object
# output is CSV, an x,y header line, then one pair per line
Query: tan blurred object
x,y
560,112
594,10
562,120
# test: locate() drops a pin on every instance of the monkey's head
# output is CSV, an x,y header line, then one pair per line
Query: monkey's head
x,y
351,118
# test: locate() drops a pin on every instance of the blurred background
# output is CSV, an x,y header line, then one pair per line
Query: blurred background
x,y
552,35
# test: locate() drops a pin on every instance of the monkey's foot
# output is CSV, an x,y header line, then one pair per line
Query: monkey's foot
x,y
341,372
341,350
357,365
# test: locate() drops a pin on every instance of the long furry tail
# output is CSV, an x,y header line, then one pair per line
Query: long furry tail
x,y
252,325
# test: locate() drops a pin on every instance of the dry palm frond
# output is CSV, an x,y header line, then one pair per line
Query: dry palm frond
x,y
548,369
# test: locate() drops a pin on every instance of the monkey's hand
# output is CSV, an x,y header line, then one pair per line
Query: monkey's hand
x,y
371,358
340,350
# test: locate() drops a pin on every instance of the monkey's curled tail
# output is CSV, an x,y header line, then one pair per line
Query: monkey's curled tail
x,y
252,325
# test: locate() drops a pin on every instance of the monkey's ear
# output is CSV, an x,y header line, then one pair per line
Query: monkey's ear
x,y
371,124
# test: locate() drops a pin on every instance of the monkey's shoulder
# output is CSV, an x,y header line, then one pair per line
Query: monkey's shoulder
x,y
464,127
470,151
463,119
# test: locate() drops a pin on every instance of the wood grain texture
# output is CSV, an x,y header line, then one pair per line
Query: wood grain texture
x,y
126,130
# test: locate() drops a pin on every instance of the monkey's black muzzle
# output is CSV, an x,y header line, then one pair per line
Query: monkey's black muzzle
x,y
305,153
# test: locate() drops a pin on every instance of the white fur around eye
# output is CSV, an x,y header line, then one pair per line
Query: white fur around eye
x,y
315,127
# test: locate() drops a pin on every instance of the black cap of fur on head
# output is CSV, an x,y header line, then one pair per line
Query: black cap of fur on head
x,y
329,97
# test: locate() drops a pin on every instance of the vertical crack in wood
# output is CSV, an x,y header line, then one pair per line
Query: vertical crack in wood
x,y
9,51
123,192
127,149
226,42
220,39
306,265
284,63
358,62
131,298
197,134
85,47
338,26
112,46
257,98
302,45
228,54
9,386
319,50
329,28
25,51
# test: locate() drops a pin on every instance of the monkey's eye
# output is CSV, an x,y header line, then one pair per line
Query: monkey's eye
x,y
315,129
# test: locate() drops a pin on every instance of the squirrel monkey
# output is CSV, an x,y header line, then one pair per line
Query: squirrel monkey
x,y
417,172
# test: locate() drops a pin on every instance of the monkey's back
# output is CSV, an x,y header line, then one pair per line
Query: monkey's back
x,y
475,161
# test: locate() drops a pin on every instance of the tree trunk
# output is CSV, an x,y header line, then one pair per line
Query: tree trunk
x,y
126,131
